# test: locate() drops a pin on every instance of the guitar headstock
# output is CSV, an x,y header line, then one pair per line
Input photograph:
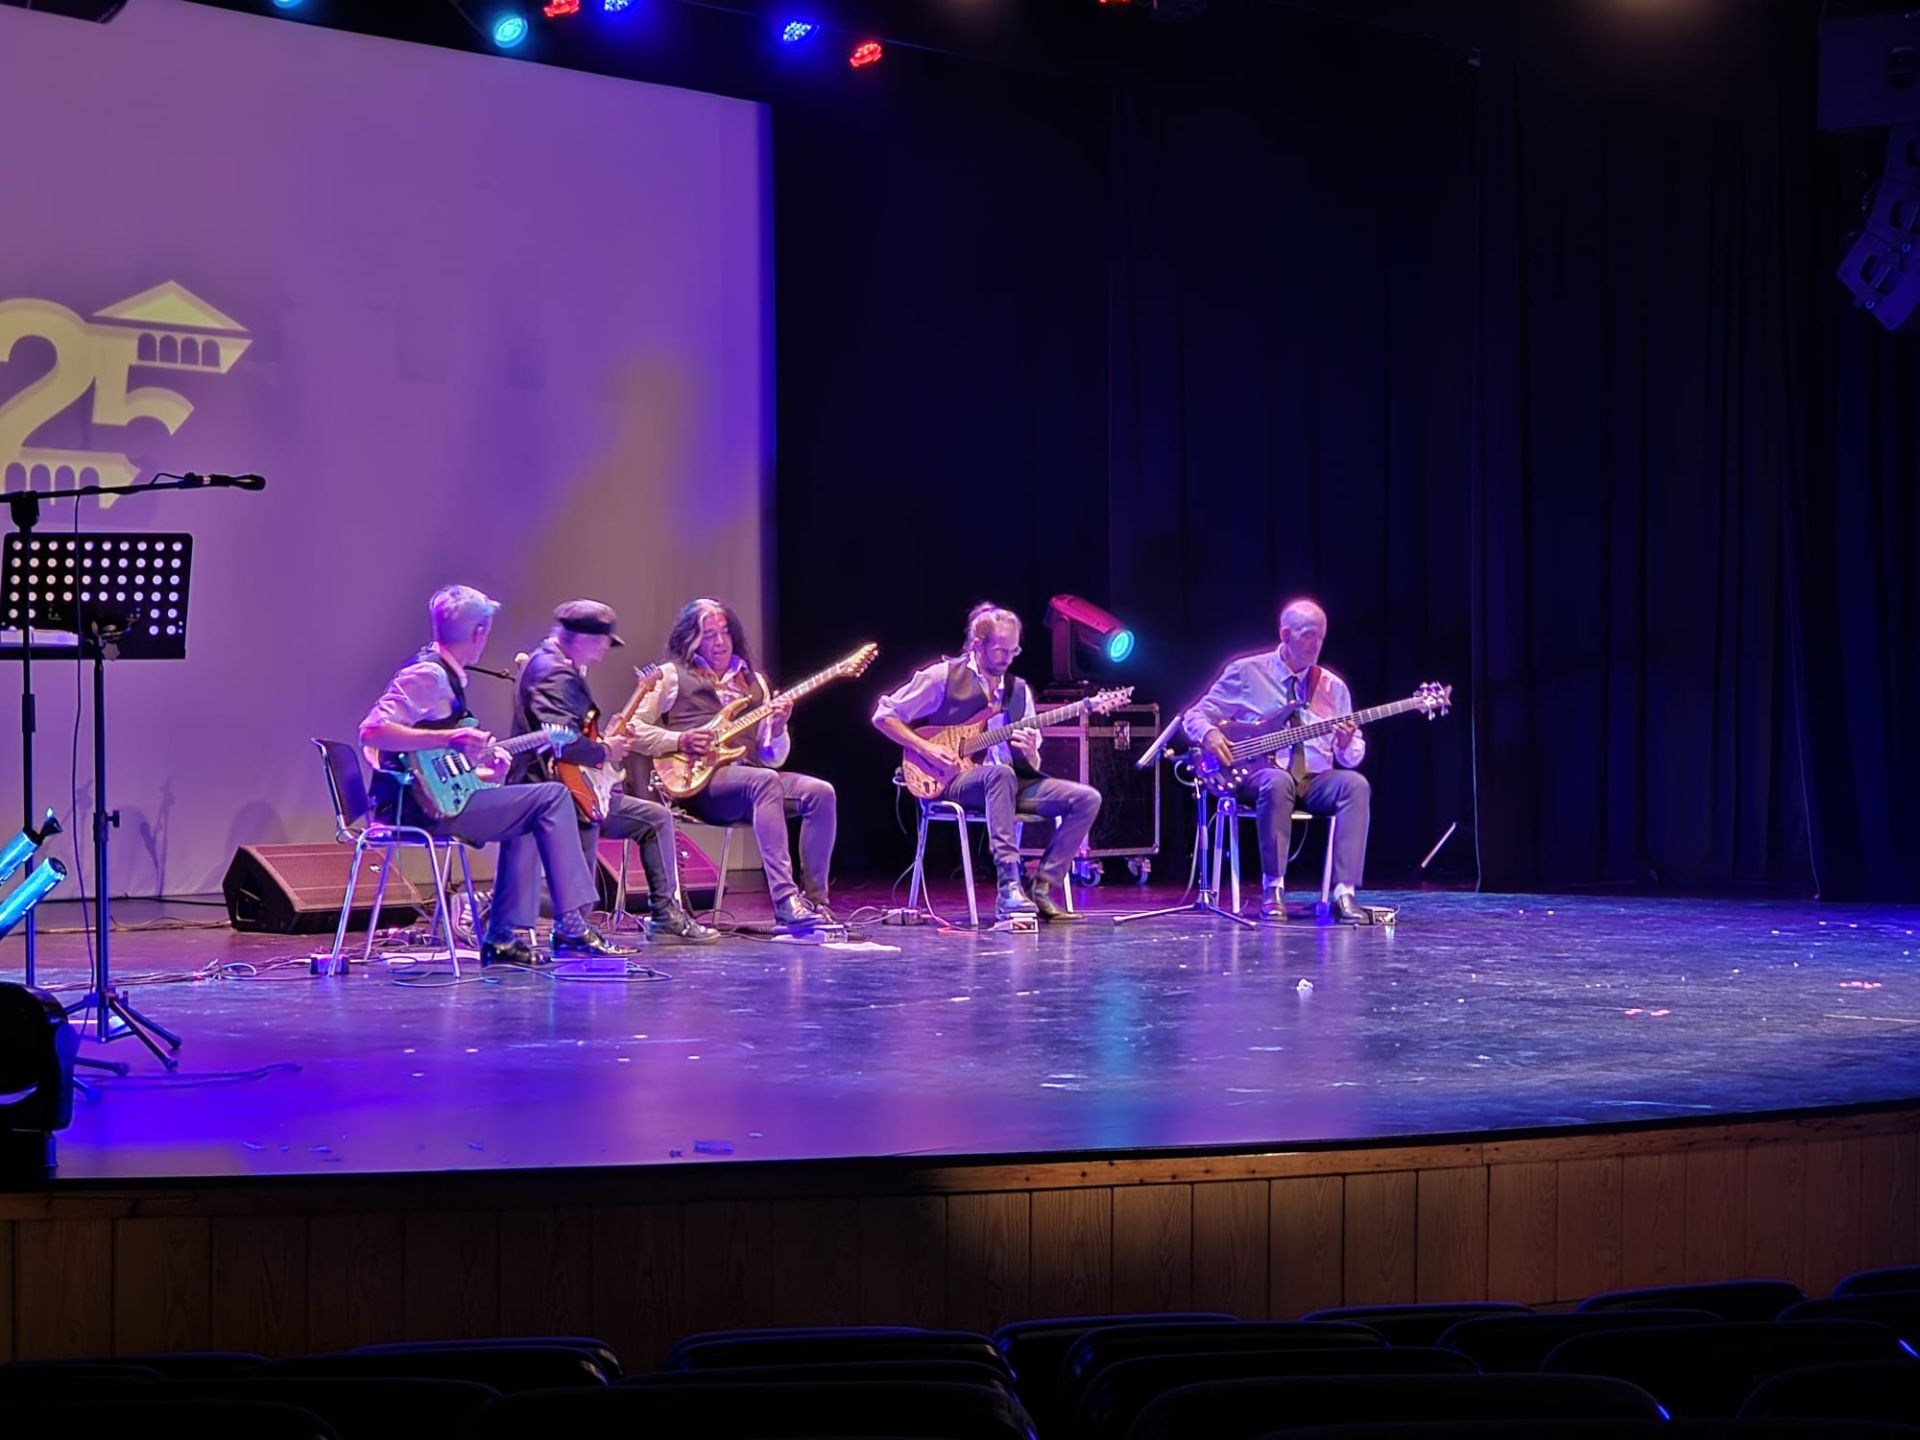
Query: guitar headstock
x,y
559,736
1107,700
858,661
1435,699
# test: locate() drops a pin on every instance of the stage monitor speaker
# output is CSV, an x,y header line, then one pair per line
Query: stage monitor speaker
x,y
297,889
1869,71
698,873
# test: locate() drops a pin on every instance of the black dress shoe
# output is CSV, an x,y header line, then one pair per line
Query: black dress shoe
x,y
672,924
1273,907
514,951
1345,912
1051,910
588,943
823,910
796,912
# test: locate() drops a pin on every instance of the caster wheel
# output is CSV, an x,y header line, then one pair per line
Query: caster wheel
x,y
1141,869
1088,872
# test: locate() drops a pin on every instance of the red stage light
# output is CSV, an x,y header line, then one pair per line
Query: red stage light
x,y
554,9
868,53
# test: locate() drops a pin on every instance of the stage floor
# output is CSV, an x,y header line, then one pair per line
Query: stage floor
x,y
1477,1013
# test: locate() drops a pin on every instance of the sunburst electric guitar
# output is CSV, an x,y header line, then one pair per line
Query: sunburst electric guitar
x,y
928,778
593,786
1254,745
681,776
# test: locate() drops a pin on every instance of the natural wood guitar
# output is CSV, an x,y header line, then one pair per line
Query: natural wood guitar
x,y
593,786
680,776
928,778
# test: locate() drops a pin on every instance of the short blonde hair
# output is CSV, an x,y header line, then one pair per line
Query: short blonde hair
x,y
458,608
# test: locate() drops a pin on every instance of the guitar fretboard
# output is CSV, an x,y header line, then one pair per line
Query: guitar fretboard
x,y
1295,734
987,739
754,716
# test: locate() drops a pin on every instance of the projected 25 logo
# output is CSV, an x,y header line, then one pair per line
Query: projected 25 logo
x,y
165,328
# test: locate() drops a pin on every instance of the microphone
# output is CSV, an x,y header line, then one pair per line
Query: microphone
x,y
236,482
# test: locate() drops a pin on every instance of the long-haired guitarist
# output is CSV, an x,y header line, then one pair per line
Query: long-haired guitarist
x,y
1009,779
709,664
425,706
553,691
1318,776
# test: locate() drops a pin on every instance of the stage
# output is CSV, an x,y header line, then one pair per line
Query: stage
x,y
1520,1097
1474,1014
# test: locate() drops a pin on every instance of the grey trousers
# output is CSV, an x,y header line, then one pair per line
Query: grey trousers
x,y
753,794
538,829
650,823
1344,794
998,792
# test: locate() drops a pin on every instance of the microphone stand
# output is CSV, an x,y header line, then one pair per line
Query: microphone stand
x,y
23,507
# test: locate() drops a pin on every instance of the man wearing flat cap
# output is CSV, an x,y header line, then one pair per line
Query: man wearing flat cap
x,y
553,691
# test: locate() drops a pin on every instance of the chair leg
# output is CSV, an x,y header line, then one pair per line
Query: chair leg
x,y
1234,817
1066,880
966,866
473,896
919,880
726,855
1326,870
346,910
443,913
379,898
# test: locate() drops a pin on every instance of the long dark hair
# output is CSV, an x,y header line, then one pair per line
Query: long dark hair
x,y
684,638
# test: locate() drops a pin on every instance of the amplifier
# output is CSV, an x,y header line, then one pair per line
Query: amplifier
x,y
297,889
1100,750
698,873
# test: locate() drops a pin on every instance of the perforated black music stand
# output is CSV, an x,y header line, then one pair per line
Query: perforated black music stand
x,y
125,597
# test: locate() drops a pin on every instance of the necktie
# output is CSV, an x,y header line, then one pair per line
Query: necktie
x,y
1297,760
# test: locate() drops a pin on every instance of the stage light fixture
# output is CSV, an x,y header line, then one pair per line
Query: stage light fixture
x,y
614,7
866,53
20,848
794,31
286,4
560,9
509,30
37,1048
1080,626
30,892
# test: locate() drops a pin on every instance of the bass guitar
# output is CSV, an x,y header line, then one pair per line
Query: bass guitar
x,y
1252,745
593,786
681,776
442,780
928,778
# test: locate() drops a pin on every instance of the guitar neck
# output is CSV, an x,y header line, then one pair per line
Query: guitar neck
x,y
632,707
520,744
1295,734
759,713
987,739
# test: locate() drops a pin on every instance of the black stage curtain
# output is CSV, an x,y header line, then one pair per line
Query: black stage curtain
x,y
1528,363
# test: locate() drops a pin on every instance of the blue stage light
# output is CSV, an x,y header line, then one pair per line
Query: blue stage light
x,y
509,30
286,4
794,31
614,7
30,891
1120,646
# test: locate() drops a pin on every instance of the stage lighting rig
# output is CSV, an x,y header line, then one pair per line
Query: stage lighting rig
x,y
1081,627
37,1049
20,848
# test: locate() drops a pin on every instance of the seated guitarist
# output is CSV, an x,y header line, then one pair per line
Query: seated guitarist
x,y
1318,776
424,706
708,665
553,691
953,692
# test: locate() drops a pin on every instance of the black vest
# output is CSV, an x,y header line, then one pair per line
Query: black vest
x,y
390,798
966,697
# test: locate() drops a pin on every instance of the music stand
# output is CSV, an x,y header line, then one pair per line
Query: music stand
x,y
125,596
1206,900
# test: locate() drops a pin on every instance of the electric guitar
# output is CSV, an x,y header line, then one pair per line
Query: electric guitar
x,y
442,780
593,786
928,778
681,776
1253,744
